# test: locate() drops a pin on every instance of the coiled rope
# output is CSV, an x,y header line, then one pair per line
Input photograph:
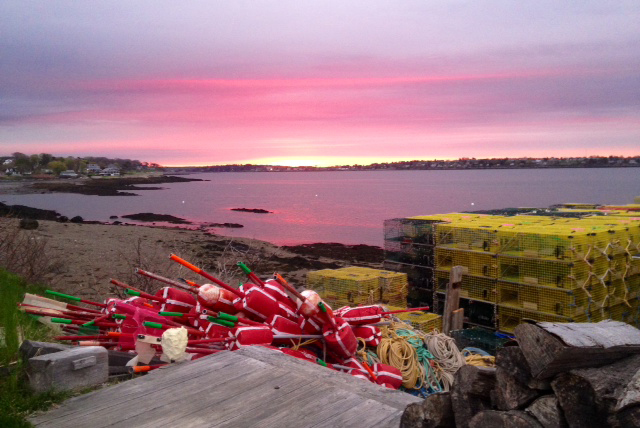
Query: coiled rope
x,y
396,350
448,358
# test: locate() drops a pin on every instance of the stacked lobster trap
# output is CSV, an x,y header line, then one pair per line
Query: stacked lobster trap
x,y
352,286
576,267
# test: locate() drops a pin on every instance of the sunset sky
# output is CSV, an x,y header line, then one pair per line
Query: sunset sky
x,y
319,82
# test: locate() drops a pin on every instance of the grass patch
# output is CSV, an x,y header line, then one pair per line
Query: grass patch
x,y
16,401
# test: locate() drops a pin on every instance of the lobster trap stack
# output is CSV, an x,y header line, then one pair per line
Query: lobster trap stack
x,y
353,286
574,267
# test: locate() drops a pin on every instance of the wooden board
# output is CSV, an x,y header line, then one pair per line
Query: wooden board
x,y
604,334
552,348
255,387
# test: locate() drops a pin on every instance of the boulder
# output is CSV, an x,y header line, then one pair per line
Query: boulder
x,y
434,412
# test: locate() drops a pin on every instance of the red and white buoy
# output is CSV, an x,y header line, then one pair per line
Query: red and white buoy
x,y
340,341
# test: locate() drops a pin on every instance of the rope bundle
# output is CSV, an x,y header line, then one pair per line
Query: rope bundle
x,y
448,357
395,350
427,361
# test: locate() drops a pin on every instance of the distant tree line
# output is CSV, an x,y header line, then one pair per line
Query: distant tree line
x,y
436,164
45,163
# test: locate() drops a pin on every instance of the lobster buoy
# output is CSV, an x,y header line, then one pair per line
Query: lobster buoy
x,y
195,317
371,314
370,334
134,323
141,302
258,304
310,306
287,312
341,342
362,314
358,369
276,289
310,325
249,336
301,354
176,300
216,298
388,376
282,325
214,331
341,310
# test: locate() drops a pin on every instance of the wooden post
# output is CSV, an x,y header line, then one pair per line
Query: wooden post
x,y
457,319
452,299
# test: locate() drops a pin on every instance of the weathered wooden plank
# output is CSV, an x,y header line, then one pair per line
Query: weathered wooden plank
x,y
452,298
549,353
112,404
252,387
285,406
216,405
369,413
457,319
605,334
309,414
345,381
170,377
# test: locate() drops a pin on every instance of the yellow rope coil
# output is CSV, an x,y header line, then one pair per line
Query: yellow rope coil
x,y
396,351
480,361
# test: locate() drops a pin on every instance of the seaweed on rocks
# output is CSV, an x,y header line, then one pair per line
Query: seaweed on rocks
x,y
110,186
150,217
22,211
252,210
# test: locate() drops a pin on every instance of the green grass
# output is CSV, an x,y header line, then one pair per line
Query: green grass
x,y
16,401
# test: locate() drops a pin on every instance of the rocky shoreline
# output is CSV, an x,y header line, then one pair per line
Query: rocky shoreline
x,y
109,186
100,186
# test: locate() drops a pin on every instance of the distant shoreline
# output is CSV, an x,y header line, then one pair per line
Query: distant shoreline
x,y
121,186
401,166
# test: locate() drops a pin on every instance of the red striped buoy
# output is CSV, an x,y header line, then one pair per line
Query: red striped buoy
x,y
342,342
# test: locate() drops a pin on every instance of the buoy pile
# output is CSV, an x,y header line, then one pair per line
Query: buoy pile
x,y
185,320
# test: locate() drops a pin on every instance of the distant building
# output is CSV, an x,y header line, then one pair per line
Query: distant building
x,y
93,168
68,174
111,170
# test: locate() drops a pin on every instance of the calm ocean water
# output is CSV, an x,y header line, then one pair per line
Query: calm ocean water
x,y
347,207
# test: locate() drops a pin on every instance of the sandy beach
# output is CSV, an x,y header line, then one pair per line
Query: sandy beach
x,y
84,257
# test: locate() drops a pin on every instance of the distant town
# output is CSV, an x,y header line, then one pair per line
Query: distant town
x,y
45,165
436,164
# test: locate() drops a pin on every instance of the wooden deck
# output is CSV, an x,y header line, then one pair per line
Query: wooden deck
x,y
253,387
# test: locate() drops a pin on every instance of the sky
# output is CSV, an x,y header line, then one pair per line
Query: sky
x,y
319,82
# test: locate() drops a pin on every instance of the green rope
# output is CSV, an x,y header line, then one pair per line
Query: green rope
x,y
424,357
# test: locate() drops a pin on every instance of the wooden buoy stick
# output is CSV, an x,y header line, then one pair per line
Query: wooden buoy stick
x,y
167,280
206,275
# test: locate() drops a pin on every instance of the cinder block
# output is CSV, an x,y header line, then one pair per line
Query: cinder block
x,y
30,348
70,369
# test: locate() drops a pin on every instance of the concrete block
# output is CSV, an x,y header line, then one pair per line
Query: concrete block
x,y
74,368
30,349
